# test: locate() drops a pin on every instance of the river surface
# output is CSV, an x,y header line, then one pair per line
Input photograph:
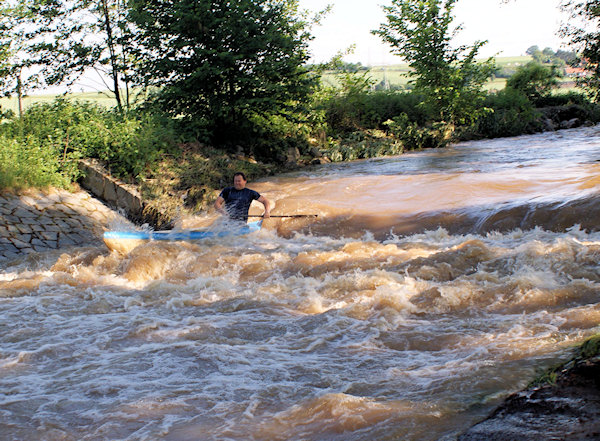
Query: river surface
x,y
430,286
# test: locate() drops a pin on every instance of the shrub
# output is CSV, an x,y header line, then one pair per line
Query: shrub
x,y
26,164
370,110
563,99
534,80
414,136
68,130
512,114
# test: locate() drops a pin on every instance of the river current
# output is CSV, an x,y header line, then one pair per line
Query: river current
x,y
431,286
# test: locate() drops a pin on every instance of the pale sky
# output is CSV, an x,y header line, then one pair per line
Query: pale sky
x,y
510,28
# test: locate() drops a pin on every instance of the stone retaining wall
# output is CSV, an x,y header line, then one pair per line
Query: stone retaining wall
x,y
112,191
39,221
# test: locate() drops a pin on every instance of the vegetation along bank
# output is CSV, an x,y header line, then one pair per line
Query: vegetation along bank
x,y
246,99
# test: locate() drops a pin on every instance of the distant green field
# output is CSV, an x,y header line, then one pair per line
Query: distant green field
x,y
394,75
98,97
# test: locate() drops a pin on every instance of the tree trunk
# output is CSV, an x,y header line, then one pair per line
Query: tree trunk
x,y
20,94
113,58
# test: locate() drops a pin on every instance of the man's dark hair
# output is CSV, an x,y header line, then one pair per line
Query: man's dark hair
x,y
240,174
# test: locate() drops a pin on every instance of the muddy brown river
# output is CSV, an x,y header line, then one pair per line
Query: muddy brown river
x,y
430,286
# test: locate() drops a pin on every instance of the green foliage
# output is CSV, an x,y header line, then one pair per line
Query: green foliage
x,y
512,114
25,163
450,78
584,36
274,135
350,110
224,62
68,131
362,145
534,80
413,136
563,99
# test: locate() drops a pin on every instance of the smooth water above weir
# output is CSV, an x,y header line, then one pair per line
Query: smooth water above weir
x,y
363,325
478,186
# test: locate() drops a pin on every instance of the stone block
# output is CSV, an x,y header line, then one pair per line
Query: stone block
x,y
13,229
68,210
27,200
8,248
52,244
49,235
20,244
67,240
29,221
110,192
22,212
93,180
131,202
10,255
24,229
63,225
37,243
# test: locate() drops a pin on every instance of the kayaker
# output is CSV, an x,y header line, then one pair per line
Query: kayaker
x,y
235,201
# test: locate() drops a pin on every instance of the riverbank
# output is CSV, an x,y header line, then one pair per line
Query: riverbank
x,y
563,405
36,221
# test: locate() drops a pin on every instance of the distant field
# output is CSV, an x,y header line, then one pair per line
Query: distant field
x,y
101,98
394,75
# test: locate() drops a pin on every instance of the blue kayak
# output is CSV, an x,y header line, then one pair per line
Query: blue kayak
x,y
126,240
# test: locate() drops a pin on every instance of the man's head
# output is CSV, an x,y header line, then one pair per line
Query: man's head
x,y
239,181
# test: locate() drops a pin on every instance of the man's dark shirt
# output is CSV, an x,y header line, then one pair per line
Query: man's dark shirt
x,y
237,202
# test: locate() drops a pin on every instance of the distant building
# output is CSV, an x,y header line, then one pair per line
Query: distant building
x,y
575,72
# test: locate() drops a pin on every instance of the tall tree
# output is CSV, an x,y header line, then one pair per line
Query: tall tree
x,y
222,62
450,78
13,60
584,32
68,37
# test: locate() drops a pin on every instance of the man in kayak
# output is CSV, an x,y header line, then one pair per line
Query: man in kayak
x,y
237,199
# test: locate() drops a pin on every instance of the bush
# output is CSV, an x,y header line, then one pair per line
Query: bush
x,y
67,131
563,99
414,136
370,110
534,81
512,114
26,164
362,145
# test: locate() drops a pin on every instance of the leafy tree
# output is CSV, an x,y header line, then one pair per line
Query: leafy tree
x,y
586,39
450,78
534,80
223,62
65,38
532,50
568,57
12,57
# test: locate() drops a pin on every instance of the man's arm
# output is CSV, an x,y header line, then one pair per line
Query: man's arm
x,y
263,200
219,205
